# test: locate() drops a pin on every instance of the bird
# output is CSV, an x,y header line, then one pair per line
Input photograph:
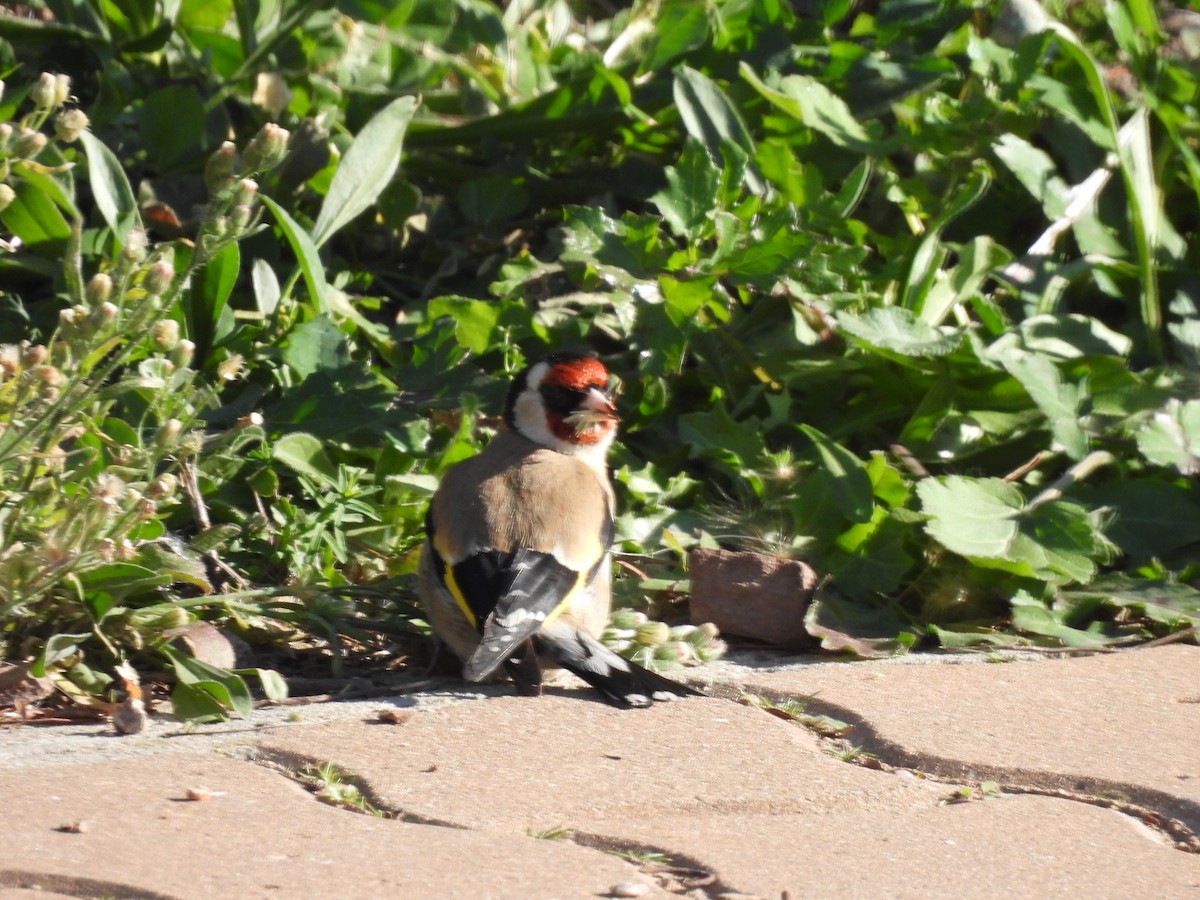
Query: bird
x,y
515,570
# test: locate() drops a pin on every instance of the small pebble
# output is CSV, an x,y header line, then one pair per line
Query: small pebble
x,y
202,793
630,889
79,827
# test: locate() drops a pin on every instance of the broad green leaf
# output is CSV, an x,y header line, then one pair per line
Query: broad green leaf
x,y
1165,602
809,101
35,219
691,192
898,330
210,15
851,486
1149,518
305,454
681,26
317,344
1032,616
1172,437
273,685
266,286
1062,337
171,126
111,189
492,199
857,628
58,647
192,703
711,118
123,579
715,430
1059,401
684,299
223,686
973,517
474,320
1070,538
1035,170
366,169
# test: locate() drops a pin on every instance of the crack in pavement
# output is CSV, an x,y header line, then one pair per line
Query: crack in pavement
x,y
1174,817
683,874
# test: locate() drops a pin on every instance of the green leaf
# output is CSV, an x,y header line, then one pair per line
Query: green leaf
x,y
977,260
315,345
58,647
171,126
266,286
681,26
225,687
711,117
1059,401
36,219
1149,518
306,254
474,320
305,454
1036,171
851,486
716,431
684,299
1174,605
366,169
185,567
1032,616
192,703
209,15
123,579
492,199
898,330
273,685
111,189
843,625
1172,437
212,284
973,517
691,191
809,101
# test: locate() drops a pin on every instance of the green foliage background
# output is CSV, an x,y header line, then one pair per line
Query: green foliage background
x,y
906,290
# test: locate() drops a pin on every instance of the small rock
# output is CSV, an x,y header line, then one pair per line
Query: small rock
x,y
753,595
630,889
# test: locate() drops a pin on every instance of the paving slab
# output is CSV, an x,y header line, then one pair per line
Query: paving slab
x,y
755,800
740,803
257,835
1123,724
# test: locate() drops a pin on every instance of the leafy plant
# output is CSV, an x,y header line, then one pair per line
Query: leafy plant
x,y
910,293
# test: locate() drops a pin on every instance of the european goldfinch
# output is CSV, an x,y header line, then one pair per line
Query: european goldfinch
x,y
515,570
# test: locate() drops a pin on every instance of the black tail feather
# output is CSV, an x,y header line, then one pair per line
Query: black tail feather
x,y
621,682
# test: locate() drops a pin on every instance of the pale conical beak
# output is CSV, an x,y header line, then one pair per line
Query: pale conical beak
x,y
594,413
600,405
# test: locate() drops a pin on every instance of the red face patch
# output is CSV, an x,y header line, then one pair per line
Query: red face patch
x,y
564,431
578,374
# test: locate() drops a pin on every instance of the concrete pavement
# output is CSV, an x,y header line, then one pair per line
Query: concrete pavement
x,y
956,778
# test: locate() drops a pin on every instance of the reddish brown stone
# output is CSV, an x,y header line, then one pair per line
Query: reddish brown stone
x,y
753,595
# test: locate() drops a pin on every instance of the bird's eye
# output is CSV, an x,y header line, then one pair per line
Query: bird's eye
x,y
561,399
